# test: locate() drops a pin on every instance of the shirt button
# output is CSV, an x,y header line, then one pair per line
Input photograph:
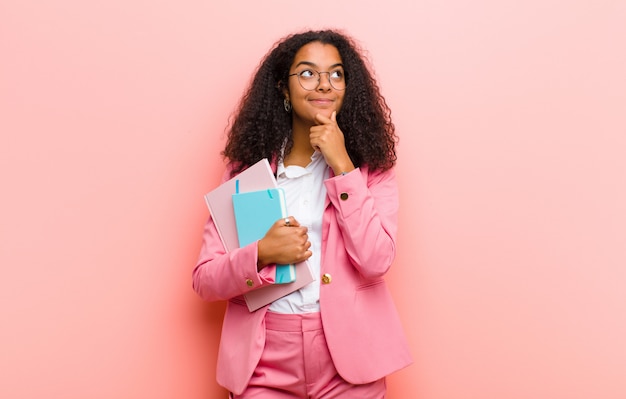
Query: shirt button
x,y
249,283
327,278
343,196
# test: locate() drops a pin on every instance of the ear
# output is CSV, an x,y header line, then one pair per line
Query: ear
x,y
285,91
284,88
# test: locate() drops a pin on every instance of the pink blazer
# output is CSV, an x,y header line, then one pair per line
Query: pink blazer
x,y
362,328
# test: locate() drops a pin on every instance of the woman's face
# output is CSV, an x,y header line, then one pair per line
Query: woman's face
x,y
322,98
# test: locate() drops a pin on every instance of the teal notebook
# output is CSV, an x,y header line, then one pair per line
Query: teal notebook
x,y
255,213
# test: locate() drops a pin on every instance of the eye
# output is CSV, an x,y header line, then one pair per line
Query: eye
x,y
307,74
336,75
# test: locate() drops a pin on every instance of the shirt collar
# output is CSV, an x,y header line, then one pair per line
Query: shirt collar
x,y
297,171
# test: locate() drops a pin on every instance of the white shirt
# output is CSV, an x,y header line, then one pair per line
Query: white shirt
x,y
305,193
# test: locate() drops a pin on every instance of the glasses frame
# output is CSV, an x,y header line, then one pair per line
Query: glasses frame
x,y
319,79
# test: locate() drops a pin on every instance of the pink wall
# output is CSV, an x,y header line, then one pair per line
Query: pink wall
x,y
511,275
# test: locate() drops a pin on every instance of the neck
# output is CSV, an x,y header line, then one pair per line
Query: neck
x,y
301,151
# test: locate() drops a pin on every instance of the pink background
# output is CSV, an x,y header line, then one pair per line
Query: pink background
x,y
510,279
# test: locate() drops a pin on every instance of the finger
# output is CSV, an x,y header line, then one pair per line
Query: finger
x,y
322,120
313,140
333,117
289,221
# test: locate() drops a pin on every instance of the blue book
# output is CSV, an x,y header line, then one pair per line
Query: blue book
x,y
255,213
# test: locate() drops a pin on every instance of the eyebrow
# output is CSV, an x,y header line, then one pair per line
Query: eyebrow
x,y
311,64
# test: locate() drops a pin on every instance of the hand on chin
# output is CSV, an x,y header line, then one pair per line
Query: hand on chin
x,y
325,112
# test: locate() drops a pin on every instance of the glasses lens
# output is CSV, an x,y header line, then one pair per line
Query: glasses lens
x,y
337,79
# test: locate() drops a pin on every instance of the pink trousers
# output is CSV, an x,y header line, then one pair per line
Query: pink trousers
x,y
296,364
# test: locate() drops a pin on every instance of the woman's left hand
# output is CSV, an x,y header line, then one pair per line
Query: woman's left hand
x,y
328,139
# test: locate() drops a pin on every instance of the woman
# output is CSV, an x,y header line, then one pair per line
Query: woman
x,y
314,110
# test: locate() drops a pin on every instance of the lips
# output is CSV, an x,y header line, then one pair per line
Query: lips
x,y
322,102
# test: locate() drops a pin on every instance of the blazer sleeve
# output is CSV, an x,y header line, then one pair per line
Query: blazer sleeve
x,y
366,207
219,275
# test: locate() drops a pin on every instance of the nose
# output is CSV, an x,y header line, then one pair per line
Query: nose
x,y
324,83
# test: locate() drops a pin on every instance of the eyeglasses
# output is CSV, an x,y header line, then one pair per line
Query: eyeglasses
x,y
310,79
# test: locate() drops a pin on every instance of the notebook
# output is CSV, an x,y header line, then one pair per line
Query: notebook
x,y
219,201
255,213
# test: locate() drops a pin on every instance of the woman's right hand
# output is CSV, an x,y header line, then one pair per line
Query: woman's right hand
x,y
284,243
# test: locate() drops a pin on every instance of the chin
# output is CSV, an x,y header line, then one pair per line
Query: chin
x,y
327,112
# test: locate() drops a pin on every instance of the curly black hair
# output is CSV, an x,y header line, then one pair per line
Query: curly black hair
x,y
261,127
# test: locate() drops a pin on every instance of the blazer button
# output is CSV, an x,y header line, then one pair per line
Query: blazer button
x,y
249,283
327,278
343,196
